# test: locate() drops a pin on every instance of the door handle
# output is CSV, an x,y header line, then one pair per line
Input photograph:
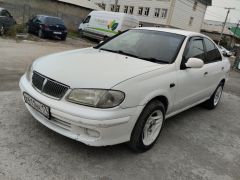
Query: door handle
x,y
172,85
222,68
206,73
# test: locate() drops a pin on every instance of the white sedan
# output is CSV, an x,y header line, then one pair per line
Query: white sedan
x,y
123,89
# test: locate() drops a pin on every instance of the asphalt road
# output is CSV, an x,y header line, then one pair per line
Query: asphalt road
x,y
197,144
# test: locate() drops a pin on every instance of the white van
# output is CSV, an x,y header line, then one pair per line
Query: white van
x,y
102,24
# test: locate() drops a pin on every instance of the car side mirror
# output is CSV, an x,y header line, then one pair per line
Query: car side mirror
x,y
194,63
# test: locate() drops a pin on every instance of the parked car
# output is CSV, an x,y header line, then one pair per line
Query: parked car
x,y
123,89
101,25
6,20
47,27
225,52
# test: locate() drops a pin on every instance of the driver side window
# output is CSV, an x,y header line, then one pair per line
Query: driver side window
x,y
87,20
196,49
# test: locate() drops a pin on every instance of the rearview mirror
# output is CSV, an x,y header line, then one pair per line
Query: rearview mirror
x,y
194,63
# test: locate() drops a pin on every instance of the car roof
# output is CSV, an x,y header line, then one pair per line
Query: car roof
x,y
172,30
1,9
46,16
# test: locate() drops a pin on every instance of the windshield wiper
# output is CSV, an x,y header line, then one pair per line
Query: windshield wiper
x,y
151,59
120,52
155,60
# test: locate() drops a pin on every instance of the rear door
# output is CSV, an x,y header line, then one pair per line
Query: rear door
x,y
214,66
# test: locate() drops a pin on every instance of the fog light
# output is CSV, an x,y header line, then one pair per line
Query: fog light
x,y
92,133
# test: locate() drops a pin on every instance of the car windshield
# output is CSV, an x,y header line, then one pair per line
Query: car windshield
x,y
53,21
154,46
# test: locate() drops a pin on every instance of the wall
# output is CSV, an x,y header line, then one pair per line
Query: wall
x,y
25,9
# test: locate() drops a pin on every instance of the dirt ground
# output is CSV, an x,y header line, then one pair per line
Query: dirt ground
x,y
197,144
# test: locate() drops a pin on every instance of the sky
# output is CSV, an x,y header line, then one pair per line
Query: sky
x,y
217,12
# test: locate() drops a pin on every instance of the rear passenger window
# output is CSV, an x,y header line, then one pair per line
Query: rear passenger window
x,y
212,52
196,49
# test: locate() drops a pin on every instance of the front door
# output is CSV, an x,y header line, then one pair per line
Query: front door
x,y
191,81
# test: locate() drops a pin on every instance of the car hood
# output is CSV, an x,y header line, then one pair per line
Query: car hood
x,y
92,68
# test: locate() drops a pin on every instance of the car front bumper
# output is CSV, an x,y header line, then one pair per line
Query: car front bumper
x,y
107,126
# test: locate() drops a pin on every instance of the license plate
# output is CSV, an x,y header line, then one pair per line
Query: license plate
x,y
38,106
57,33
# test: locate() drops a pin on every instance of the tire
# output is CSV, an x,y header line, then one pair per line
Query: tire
x,y
27,29
1,30
214,100
81,33
41,34
139,141
63,38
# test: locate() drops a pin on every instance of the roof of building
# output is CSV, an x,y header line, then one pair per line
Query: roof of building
x,y
82,3
207,2
172,30
236,31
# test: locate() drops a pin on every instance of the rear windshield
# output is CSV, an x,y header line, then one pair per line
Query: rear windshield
x,y
146,44
53,21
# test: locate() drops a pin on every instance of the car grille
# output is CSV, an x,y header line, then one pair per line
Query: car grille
x,y
48,86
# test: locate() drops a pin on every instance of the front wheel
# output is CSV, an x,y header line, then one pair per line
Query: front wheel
x,y
214,99
63,38
40,34
148,127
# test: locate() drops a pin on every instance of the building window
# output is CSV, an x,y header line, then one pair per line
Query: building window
x,y
131,10
112,7
191,21
140,10
117,8
195,5
164,13
146,11
125,9
157,12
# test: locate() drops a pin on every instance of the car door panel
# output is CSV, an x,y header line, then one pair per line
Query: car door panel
x,y
214,66
191,82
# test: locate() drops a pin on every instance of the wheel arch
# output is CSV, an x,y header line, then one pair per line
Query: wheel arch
x,y
163,99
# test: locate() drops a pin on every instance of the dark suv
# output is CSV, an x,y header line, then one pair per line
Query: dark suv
x,y
6,20
47,26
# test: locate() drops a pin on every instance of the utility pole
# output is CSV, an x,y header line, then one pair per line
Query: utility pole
x,y
224,24
116,5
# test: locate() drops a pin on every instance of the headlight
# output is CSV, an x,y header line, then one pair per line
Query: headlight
x,y
98,98
29,72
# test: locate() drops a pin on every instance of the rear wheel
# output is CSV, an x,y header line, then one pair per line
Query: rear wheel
x,y
215,98
1,30
148,127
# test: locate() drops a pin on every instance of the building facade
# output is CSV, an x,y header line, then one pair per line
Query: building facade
x,y
182,14
213,29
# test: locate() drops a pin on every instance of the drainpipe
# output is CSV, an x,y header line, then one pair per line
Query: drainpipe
x,y
169,19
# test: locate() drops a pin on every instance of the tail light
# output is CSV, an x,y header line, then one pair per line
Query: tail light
x,y
45,27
